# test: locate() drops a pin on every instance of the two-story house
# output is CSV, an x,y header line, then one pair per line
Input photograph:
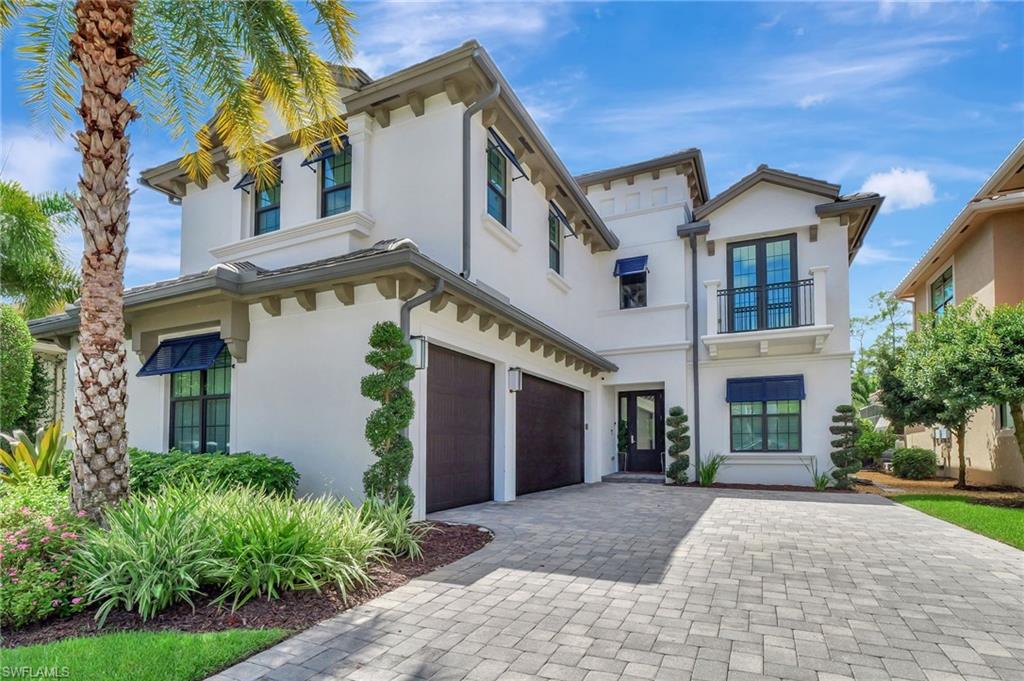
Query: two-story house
x,y
977,256
544,308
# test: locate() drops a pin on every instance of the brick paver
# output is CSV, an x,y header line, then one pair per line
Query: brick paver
x,y
614,582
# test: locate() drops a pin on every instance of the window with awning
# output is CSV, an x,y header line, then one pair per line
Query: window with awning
x,y
627,266
175,355
764,388
765,413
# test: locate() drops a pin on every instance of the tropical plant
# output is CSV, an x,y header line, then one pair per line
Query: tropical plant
x,y
845,455
679,435
152,471
15,366
37,403
819,480
871,444
863,384
707,472
34,272
401,536
158,58
26,458
914,463
388,477
43,495
1005,329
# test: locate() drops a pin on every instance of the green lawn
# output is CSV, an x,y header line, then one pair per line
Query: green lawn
x,y
141,655
1003,524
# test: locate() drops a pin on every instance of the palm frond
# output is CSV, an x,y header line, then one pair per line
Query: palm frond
x,y
336,20
9,10
50,80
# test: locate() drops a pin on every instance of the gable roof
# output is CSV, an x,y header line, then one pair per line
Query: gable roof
x,y
691,159
1003,190
773,176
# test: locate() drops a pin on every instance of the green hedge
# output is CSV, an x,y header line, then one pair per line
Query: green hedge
x,y
152,471
914,463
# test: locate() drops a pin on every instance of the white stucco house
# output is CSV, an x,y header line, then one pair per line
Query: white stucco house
x,y
550,306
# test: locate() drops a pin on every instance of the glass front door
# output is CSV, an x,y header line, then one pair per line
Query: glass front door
x,y
643,412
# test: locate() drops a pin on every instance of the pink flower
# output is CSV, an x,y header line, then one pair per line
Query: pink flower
x,y
68,535
25,510
55,603
21,547
44,540
76,600
81,514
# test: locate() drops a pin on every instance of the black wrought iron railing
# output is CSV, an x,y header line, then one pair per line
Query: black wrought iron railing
x,y
773,306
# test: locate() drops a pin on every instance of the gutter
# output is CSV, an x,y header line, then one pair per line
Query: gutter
x,y
467,178
407,306
691,231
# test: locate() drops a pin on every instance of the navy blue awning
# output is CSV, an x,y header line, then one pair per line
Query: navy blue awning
x,y
183,354
507,151
627,266
764,389
248,179
324,150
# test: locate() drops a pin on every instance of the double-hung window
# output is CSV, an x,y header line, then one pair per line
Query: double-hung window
x,y
336,183
268,208
554,242
200,407
942,292
497,184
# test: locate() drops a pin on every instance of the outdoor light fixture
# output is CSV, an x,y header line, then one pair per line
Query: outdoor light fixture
x,y
515,379
419,351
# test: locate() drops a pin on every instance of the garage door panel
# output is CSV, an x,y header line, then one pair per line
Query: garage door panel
x,y
460,413
549,436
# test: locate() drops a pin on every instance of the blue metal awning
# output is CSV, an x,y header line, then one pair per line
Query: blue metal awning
x,y
248,179
507,151
627,266
183,354
324,150
764,389
561,217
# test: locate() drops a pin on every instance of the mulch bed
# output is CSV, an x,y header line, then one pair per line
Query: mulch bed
x,y
771,488
1010,496
295,610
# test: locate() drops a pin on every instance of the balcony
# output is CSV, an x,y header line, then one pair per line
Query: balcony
x,y
779,318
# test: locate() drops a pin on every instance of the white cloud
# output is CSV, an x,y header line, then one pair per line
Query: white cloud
x,y
39,163
808,101
903,188
872,255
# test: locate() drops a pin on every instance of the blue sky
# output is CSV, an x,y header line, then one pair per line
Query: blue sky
x,y
918,101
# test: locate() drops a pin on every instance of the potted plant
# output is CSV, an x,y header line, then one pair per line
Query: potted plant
x,y
623,444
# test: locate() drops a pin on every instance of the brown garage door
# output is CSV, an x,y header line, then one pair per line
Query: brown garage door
x,y
460,413
549,436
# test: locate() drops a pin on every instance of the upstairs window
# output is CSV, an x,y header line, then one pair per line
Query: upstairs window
x,y
942,292
200,407
632,274
497,184
268,208
554,242
336,183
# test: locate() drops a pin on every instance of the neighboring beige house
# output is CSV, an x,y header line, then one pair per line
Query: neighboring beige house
x,y
981,256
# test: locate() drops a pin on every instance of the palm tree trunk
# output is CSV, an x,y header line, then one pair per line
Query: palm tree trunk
x,y
102,48
961,446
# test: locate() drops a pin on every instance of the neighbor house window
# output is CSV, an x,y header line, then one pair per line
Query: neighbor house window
x,y
336,183
1005,418
497,186
942,292
633,290
766,426
268,208
554,242
200,405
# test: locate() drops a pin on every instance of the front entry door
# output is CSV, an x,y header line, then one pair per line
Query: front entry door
x,y
644,414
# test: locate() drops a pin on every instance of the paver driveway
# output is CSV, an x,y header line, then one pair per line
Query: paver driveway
x,y
623,581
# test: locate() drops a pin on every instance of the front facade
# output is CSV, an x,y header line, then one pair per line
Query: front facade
x,y
546,309
978,256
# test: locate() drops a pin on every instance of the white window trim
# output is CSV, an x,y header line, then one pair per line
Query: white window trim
x,y
500,232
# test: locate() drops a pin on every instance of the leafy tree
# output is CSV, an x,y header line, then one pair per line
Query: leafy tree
x,y
34,273
901,404
164,60
1005,330
845,455
892,314
948,362
15,366
679,435
863,384
388,477
871,443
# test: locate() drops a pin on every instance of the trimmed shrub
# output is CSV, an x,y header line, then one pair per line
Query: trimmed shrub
x,y
152,471
38,534
914,463
679,435
15,366
845,455
388,477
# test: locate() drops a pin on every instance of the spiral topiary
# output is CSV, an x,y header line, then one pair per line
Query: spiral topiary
x,y
679,435
846,457
388,477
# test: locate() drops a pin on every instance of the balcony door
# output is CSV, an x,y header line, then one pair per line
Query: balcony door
x,y
762,284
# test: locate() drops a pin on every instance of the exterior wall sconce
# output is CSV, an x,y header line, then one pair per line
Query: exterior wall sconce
x,y
515,379
419,352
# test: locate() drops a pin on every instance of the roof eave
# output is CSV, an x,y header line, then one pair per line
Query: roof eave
x,y
772,176
693,156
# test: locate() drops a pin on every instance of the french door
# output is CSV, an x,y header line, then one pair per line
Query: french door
x,y
762,284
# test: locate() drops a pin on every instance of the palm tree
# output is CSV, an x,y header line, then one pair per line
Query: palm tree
x,y
166,60
34,273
